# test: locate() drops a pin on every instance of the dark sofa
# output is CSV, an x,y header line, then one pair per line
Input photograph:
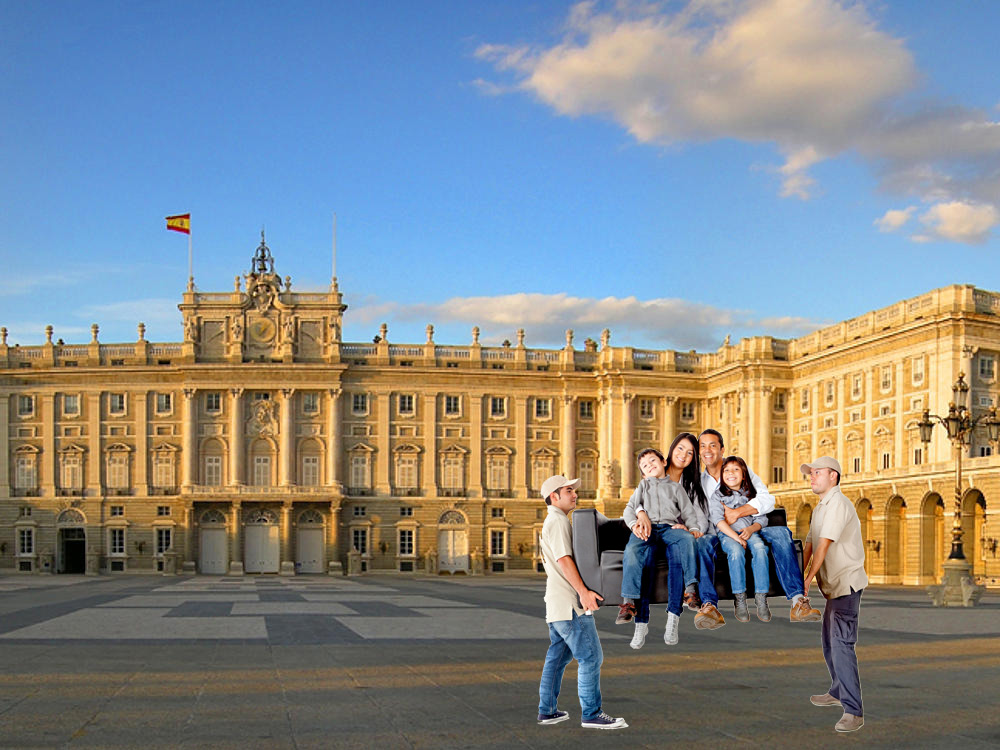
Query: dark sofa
x,y
599,544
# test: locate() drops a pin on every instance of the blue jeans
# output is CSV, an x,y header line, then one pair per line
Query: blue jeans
x,y
572,639
786,562
707,548
637,556
737,563
675,586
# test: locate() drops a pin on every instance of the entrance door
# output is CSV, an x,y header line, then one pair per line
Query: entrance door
x,y
309,550
262,548
213,552
453,546
74,550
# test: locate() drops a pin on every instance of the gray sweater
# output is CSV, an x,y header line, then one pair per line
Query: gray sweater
x,y
717,513
664,501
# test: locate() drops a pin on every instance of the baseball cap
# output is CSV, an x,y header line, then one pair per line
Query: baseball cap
x,y
557,482
823,462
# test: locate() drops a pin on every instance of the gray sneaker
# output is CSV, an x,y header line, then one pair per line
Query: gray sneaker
x,y
763,613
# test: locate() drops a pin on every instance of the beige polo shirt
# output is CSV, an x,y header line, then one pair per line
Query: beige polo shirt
x,y
843,567
557,541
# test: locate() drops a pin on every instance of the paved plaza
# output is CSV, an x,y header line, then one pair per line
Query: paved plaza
x,y
386,662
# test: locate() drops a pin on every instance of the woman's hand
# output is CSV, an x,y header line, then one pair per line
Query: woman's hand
x,y
695,533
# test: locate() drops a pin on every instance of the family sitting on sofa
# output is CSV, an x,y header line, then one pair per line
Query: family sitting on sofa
x,y
691,514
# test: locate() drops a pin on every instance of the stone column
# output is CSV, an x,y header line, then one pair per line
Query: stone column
x,y
333,437
429,480
237,465
140,404
189,440
842,416
605,469
567,440
188,564
668,404
817,421
236,540
49,464
625,447
5,446
899,438
866,462
764,435
383,457
286,450
334,564
94,462
476,444
287,563
521,458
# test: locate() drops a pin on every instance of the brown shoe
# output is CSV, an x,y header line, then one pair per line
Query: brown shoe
x,y
626,613
692,601
824,700
849,723
709,617
802,611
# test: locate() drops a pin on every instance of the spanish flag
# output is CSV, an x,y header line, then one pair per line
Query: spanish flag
x,y
179,223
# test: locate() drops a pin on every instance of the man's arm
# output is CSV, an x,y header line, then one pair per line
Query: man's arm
x,y
588,598
817,560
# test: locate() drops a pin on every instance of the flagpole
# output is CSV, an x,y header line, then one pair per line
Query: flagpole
x,y
190,266
333,260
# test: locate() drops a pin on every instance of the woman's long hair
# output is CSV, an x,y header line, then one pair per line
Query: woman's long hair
x,y
746,486
690,474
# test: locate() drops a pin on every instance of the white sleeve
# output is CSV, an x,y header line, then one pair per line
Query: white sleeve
x,y
764,502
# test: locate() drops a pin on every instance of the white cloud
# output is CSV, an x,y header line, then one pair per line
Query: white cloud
x,y
894,219
545,317
959,222
149,311
815,78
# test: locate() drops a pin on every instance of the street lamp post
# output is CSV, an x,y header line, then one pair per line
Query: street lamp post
x,y
957,587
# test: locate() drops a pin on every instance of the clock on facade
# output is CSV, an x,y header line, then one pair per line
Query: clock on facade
x,y
262,330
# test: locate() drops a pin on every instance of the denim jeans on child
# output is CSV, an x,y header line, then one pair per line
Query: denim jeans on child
x,y
707,548
568,640
681,545
786,562
737,563
675,586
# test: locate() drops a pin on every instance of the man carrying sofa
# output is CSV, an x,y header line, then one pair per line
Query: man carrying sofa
x,y
778,538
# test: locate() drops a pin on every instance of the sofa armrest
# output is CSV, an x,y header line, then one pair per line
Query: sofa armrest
x,y
586,549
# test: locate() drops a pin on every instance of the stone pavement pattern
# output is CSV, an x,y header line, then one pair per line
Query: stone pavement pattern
x,y
379,661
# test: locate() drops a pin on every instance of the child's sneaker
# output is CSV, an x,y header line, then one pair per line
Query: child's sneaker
x,y
763,613
691,599
639,639
553,718
626,613
603,721
670,635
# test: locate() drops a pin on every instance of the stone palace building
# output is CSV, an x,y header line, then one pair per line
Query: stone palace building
x,y
263,443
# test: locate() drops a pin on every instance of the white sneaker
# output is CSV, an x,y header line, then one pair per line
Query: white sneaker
x,y
670,635
639,639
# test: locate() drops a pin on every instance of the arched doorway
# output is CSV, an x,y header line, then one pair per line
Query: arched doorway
x,y
72,542
895,540
263,544
973,517
213,543
309,546
803,517
864,511
453,542
931,538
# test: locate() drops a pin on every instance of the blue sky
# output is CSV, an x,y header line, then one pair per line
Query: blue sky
x,y
675,172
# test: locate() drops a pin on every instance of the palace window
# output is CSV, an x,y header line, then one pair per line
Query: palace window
x,y
213,402
359,404
496,512
687,411
804,399
406,542
213,471
360,511
498,542
310,403
498,406
830,386
542,467
497,471
163,540
71,404
886,460
162,510
26,472
71,471
360,470
163,469
452,471
406,511
588,475
543,408
116,541
25,406
778,472
406,470
406,403
118,469
856,384
856,465
116,403
779,401
452,405
986,366
359,540
917,370
26,541
646,408
310,471
918,456
262,471
116,510
885,381
586,409
262,396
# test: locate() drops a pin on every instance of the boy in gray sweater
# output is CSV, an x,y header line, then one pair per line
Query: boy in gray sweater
x,y
659,512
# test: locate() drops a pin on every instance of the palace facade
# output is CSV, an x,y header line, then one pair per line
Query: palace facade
x,y
263,443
